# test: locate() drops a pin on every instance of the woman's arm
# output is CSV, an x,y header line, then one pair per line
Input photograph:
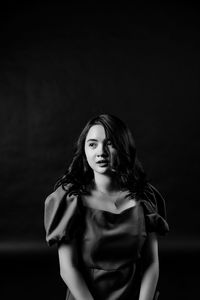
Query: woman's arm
x,y
150,262
70,273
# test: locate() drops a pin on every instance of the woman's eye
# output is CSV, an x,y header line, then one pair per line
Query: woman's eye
x,y
92,145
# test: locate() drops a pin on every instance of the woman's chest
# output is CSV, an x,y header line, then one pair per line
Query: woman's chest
x,y
115,203
112,237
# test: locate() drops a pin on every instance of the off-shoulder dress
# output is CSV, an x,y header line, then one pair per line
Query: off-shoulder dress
x,y
109,245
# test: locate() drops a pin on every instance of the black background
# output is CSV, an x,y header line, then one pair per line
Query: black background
x,y
59,66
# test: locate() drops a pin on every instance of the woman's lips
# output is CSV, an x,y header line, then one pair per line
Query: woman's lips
x,y
102,163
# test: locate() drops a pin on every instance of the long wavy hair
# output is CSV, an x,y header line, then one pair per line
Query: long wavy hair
x,y
129,170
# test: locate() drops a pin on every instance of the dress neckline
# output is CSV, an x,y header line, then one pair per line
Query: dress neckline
x,y
110,212
116,211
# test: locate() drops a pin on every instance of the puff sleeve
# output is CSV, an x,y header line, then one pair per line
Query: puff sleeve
x,y
154,210
62,216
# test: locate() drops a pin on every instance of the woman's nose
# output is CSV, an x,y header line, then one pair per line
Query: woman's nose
x,y
102,150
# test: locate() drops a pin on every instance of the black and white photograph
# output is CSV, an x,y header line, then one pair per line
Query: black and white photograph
x,y
99,155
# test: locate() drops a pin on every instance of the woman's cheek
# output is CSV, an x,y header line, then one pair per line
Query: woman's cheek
x,y
113,160
92,158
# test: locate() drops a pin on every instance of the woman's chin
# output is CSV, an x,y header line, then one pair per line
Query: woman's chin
x,y
102,169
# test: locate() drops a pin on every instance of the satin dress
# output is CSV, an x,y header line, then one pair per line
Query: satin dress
x,y
109,245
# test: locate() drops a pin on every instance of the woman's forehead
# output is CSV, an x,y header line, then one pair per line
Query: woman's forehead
x,y
96,132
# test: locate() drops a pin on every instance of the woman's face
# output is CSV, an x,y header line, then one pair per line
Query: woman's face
x,y
99,150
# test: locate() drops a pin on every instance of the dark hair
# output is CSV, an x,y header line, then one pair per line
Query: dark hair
x,y
130,173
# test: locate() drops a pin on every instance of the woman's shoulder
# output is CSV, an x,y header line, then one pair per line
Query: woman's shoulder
x,y
154,208
153,196
61,214
61,191
56,194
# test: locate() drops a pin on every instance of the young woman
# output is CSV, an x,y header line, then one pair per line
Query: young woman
x,y
105,216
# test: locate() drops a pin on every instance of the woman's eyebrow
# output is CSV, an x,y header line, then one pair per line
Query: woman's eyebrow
x,y
96,140
92,140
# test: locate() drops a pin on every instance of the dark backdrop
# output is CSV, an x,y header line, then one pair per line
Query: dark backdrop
x,y
59,66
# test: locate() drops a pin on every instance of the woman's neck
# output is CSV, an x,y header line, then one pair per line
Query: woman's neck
x,y
104,183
